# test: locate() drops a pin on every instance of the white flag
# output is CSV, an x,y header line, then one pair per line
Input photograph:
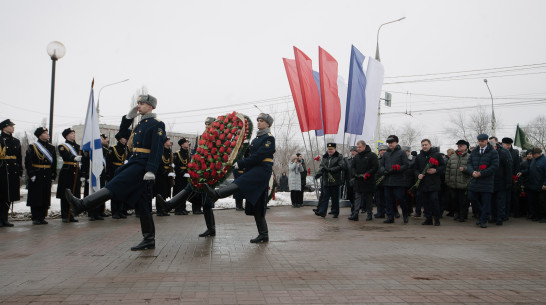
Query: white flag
x,y
91,142
374,77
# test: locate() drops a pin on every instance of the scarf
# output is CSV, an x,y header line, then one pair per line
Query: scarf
x,y
263,131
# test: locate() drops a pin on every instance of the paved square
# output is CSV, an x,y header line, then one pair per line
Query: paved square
x,y
309,260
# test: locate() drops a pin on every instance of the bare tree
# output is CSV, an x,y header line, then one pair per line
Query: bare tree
x,y
468,127
536,132
407,134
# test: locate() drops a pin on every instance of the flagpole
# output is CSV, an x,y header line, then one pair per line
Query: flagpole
x,y
313,161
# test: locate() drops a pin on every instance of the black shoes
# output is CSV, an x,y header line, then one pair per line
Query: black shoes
x,y
369,217
208,233
427,222
389,220
354,217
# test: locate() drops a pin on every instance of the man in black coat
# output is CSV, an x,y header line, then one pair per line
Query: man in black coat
x,y
511,194
330,169
71,174
364,166
180,161
430,159
11,169
483,164
503,184
116,157
380,190
41,165
393,165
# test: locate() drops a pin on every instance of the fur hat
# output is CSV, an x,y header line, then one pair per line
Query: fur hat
x,y
148,99
507,141
182,141
266,117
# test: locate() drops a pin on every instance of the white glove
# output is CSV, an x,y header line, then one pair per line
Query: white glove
x,y
149,176
125,162
236,165
77,158
82,179
132,113
33,178
186,175
172,175
173,165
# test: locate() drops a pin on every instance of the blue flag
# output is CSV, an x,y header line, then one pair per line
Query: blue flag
x,y
316,76
356,94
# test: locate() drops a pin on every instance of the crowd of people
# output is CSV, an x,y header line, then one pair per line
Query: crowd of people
x,y
491,179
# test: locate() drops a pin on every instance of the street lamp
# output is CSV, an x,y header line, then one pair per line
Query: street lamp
x,y
98,98
493,120
55,50
378,126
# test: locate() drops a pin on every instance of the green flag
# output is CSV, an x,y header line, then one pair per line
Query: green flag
x,y
520,139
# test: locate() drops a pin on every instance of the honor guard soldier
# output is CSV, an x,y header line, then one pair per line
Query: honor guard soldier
x,y
254,183
11,169
71,174
240,196
180,161
115,159
41,165
164,176
133,181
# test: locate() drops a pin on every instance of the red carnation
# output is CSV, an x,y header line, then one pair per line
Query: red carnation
x,y
233,144
212,138
212,164
203,166
218,143
213,174
228,150
433,162
226,131
227,143
237,138
317,158
216,133
213,151
221,118
225,158
241,124
366,176
229,136
218,165
205,136
222,150
482,167
226,120
222,127
206,174
216,157
396,167
209,145
222,137
234,130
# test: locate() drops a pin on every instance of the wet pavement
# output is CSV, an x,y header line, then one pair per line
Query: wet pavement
x,y
309,260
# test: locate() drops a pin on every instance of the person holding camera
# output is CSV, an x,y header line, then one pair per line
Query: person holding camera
x,y
295,170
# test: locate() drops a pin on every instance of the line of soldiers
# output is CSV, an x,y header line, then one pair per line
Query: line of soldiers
x,y
491,178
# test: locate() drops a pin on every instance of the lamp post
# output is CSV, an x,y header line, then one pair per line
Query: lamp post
x,y
98,98
55,50
493,120
378,58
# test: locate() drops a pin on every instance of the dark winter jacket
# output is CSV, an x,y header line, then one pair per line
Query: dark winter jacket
x,y
392,157
489,159
537,174
456,179
503,176
363,163
409,176
524,170
333,165
431,182
516,160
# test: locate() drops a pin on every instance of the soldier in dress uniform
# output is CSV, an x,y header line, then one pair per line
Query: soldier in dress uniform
x,y
71,174
133,181
11,169
181,160
240,196
254,183
41,165
115,159
164,176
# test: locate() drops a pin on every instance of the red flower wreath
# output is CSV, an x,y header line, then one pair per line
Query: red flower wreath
x,y
220,145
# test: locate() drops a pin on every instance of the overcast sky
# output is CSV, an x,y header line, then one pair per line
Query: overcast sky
x,y
213,57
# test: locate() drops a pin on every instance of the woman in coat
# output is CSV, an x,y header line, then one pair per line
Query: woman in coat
x,y
294,180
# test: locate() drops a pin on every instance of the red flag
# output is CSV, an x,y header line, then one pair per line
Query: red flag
x,y
292,74
309,90
331,108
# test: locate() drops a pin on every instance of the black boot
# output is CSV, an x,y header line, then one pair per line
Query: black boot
x,y
223,192
436,221
148,233
389,220
354,216
92,201
263,233
239,205
369,217
177,200
5,221
427,222
209,220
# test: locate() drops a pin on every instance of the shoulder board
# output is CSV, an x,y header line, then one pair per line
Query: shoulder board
x,y
157,119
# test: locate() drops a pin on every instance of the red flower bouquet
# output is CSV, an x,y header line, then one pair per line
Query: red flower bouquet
x,y
220,145
431,163
482,167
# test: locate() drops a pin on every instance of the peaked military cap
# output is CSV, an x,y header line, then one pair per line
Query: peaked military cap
x,y
6,123
331,145
67,132
38,132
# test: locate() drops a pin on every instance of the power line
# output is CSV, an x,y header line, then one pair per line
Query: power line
x,y
467,71
453,78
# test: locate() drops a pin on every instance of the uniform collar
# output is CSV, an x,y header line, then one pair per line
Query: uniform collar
x,y
6,135
149,115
